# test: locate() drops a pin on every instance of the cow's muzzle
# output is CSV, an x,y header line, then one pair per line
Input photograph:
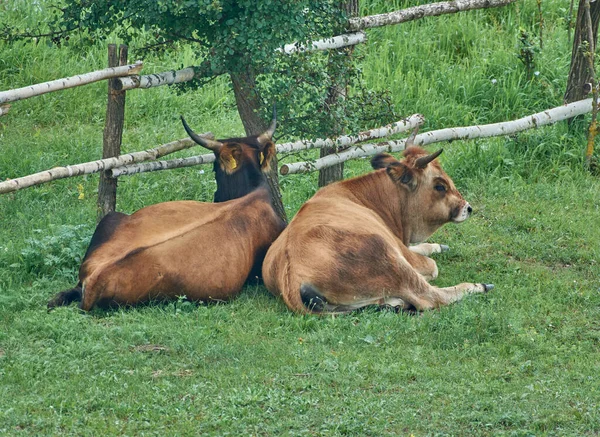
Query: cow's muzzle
x,y
463,213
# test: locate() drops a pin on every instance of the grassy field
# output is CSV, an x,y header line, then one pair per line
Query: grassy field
x,y
522,360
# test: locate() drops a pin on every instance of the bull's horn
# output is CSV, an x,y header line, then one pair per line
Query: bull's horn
x,y
213,145
424,160
268,134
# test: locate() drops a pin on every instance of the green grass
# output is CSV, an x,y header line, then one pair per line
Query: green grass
x,y
522,360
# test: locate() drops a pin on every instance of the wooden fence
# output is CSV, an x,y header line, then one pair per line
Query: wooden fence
x,y
122,76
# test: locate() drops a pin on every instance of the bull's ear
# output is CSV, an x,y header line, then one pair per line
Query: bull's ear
x,y
382,160
402,175
266,155
230,157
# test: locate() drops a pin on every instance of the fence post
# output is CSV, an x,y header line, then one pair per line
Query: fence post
x,y
113,133
337,93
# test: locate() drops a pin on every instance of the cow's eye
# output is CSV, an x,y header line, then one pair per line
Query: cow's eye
x,y
440,188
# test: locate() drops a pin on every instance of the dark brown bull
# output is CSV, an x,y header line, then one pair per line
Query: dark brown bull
x,y
204,251
349,246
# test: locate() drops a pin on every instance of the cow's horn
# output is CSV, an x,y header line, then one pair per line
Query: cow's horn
x,y
213,145
268,134
424,160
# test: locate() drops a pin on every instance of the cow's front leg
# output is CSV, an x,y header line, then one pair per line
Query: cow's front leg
x,y
424,265
427,249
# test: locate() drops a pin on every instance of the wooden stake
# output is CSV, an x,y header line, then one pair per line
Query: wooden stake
x,y
113,133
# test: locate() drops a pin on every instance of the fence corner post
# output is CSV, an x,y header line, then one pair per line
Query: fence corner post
x,y
113,133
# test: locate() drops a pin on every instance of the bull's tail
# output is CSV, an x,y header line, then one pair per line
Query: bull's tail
x,y
315,302
66,297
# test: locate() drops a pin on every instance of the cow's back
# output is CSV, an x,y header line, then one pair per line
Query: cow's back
x,y
324,244
203,251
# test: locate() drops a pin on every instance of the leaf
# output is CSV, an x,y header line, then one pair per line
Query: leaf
x,y
81,192
369,339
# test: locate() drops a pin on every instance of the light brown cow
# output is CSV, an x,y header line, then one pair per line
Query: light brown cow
x,y
349,245
204,251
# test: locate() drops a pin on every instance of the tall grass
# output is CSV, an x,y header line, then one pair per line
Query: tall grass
x,y
522,360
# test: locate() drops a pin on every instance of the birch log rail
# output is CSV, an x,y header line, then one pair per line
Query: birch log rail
x,y
347,140
69,82
458,133
343,141
187,74
335,42
153,80
97,166
427,10
162,165
356,37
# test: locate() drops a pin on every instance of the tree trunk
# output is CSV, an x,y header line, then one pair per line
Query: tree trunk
x,y
337,92
248,104
580,73
113,133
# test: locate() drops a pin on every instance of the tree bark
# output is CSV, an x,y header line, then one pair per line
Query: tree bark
x,y
580,73
113,133
248,104
337,92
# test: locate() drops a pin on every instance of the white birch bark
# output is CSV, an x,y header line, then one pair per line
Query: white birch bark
x,y
4,109
187,74
69,82
347,140
343,141
336,158
334,42
96,166
428,10
161,165
458,133
153,80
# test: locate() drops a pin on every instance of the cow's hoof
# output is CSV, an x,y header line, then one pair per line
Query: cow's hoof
x,y
487,287
444,248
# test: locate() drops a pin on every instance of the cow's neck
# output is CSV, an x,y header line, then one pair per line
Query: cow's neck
x,y
377,192
238,184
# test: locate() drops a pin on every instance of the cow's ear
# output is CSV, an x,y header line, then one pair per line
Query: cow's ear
x,y
230,157
266,155
382,160
402,175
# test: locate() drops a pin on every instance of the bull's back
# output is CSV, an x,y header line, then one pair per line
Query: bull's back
x,y
146,227
203,251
